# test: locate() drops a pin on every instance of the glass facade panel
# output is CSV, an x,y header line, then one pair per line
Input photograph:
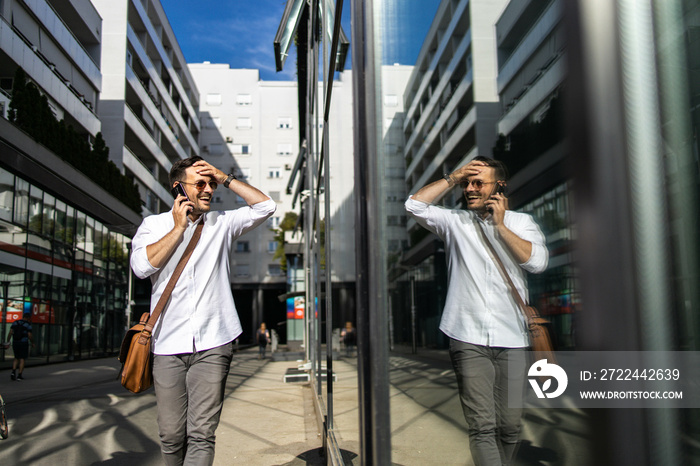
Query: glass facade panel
x,y
7,190
21,211
48,216
36,211
63,266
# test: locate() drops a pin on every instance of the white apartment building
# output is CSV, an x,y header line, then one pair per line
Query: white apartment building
x,y
394,80
149,100
251,128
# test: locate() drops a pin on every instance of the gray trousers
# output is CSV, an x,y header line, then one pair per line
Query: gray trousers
x,y
190,395
484,380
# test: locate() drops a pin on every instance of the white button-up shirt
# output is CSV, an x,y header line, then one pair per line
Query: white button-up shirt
x,y
200,314
479,308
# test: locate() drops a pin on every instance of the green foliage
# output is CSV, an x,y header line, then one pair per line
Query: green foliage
x,y
30,111
287,224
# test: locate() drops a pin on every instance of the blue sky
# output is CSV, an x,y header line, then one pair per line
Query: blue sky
x,y
240,32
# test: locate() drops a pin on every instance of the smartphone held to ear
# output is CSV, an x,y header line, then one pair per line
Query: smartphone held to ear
x,y
179,190
498,189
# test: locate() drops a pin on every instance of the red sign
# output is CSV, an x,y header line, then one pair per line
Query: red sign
x,y
14,310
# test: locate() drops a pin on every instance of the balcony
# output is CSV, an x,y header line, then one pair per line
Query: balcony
x,y
62,34
47,77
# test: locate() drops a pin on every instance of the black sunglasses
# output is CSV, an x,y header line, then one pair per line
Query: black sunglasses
x,y
201,184
478,184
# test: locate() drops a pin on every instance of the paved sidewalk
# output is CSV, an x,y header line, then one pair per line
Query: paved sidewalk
x,y
86,411
268,422
427,423
265,421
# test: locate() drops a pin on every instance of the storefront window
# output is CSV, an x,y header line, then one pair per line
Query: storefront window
x,y
7,189
21,212
48,215
69,233
69,297
36,210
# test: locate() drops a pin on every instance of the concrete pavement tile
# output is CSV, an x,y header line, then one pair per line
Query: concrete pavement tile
x,y
267,422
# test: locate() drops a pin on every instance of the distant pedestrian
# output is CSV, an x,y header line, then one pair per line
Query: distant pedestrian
x,y
262,336
193,340
21,335
349,338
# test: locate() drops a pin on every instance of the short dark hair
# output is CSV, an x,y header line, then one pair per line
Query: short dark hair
x,y
497,165
177,172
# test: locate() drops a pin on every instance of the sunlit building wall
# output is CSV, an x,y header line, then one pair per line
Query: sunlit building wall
x,y
149,100
394,80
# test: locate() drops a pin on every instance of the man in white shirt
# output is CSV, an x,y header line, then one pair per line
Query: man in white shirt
x,y
192,341
485,326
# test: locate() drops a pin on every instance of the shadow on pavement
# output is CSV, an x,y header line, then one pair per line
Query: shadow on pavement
x,y
314,457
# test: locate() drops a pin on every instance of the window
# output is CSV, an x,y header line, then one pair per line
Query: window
x,y
396,220
284,123
274,172
7,184
48,214
244,99
240,149
35,209
243,174
274,269
244,123
242,270
391,100
284,149
273,222
394,172
242,246
212,123
21,201
213,99
271,247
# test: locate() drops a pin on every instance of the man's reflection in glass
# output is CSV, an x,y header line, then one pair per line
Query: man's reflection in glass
x,y
485,326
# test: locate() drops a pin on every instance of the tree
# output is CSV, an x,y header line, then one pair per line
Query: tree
x,y
287,224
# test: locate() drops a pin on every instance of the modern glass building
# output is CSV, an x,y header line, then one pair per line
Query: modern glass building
x,y
597,105
64,226
65,267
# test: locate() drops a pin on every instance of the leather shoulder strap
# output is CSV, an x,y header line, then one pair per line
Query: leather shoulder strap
x,y
173,279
